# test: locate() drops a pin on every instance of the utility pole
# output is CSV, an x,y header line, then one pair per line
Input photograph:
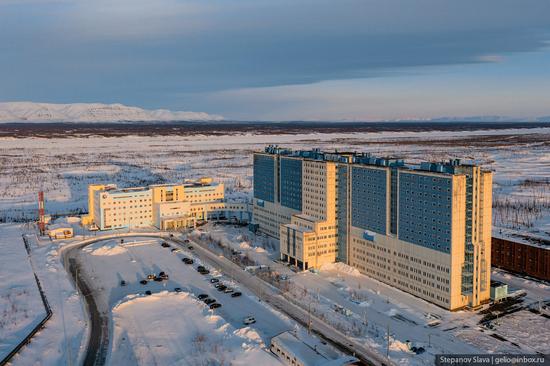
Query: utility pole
x,y
309,319
388,343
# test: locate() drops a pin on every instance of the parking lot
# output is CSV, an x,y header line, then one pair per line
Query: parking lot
x,y
108,263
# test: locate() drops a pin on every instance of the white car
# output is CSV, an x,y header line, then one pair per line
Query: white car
x,y
249,320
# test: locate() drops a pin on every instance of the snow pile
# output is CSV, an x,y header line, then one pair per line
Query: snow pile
x,y
92,112
244,245
341,268
397,345
185,333
112,248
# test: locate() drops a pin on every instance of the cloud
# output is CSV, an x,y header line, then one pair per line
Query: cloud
x,y
491,58
150,52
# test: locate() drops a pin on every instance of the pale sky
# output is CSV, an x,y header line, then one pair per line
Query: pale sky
x,y
282,60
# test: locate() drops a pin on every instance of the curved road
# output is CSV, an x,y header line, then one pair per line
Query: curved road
x,y
98,343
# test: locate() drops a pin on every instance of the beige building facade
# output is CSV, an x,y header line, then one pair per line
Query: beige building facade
x,y
425,229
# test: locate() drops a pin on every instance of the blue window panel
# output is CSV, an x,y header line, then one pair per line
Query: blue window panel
x,y
291,183
264,175
342,208
369,199
425,206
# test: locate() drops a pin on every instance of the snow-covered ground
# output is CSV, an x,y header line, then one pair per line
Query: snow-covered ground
x,y
21,307
367,308
64,336
64,167
171,327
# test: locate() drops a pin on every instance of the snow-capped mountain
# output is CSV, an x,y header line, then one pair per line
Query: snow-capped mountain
x,y
93,112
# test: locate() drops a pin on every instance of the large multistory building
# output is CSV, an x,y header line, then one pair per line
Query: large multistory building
x,y
425,229
165,206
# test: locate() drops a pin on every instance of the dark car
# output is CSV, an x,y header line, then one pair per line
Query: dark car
x,y
143,282
204,272
165,245
177,289
209,301
147,292
190,247
187,260
236,294
202,296
222,287
123,283
214,280
158,279
186,241
199,268
218,285
215,305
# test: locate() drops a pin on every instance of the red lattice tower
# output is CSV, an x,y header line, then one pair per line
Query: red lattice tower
x,y
41,213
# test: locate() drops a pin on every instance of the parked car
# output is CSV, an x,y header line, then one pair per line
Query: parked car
x,y
200,268
228,290
218,285
190,247
163,276
165,244
249,320
147,292
215,305
158,279
143,282
209,301
175,250
177,289
222,288
151,277
187,260
186,241
202,296
236,294
214,280
204,272
123,283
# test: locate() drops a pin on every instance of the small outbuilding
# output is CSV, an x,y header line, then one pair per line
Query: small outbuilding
x,y
60,232
499,291
294,351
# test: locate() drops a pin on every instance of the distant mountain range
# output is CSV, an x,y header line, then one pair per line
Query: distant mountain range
x,y
93,112
489,119
98,112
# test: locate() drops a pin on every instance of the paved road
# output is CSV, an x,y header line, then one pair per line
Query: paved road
x,y
274,297
98,343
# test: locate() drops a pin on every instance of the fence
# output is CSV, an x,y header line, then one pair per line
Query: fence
x,y
39,326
